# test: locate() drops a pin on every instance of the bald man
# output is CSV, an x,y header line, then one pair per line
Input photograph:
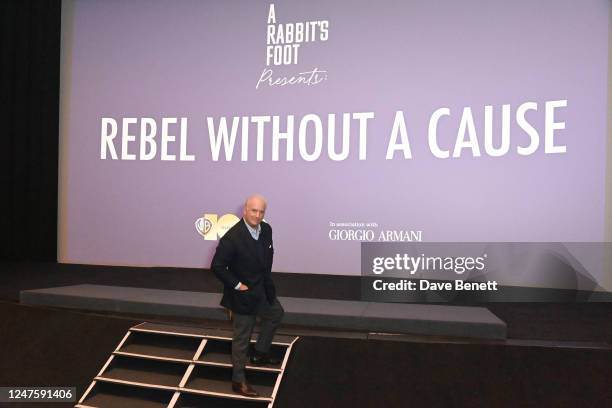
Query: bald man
x,y
243,262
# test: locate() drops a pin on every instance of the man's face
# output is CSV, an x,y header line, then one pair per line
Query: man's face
x,y
254,211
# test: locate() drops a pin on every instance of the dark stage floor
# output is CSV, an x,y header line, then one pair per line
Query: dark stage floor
x,y
556,355
42,346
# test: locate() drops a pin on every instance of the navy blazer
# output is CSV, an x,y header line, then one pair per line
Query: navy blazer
x,y
237,259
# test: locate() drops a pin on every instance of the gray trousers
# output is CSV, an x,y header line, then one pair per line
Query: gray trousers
x,y
270,316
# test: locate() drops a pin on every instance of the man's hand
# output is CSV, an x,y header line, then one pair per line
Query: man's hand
x,y
243,287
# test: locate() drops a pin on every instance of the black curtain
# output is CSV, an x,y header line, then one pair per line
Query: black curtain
x,y
29,105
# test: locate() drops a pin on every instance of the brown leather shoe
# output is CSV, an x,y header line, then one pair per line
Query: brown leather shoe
x,y
244,388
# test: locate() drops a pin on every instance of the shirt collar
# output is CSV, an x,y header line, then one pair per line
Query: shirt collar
x,y
254,231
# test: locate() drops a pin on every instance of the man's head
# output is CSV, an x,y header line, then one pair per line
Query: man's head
x,y
254,210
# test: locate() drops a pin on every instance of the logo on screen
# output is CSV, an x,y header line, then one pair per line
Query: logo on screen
x,y
284,42
212,227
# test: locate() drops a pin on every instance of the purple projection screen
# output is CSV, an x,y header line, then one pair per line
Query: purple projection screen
x,y
446,121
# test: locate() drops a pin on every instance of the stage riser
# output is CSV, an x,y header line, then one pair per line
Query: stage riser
x,y
439,320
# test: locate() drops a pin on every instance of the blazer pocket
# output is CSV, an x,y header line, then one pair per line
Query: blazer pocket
x,y
244,298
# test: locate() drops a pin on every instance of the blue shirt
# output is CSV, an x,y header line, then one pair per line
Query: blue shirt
x,y
254,231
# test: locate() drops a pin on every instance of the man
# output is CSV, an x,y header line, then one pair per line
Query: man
x,y
243,262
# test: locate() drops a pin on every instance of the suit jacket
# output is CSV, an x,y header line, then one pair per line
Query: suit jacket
x,y
237,259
